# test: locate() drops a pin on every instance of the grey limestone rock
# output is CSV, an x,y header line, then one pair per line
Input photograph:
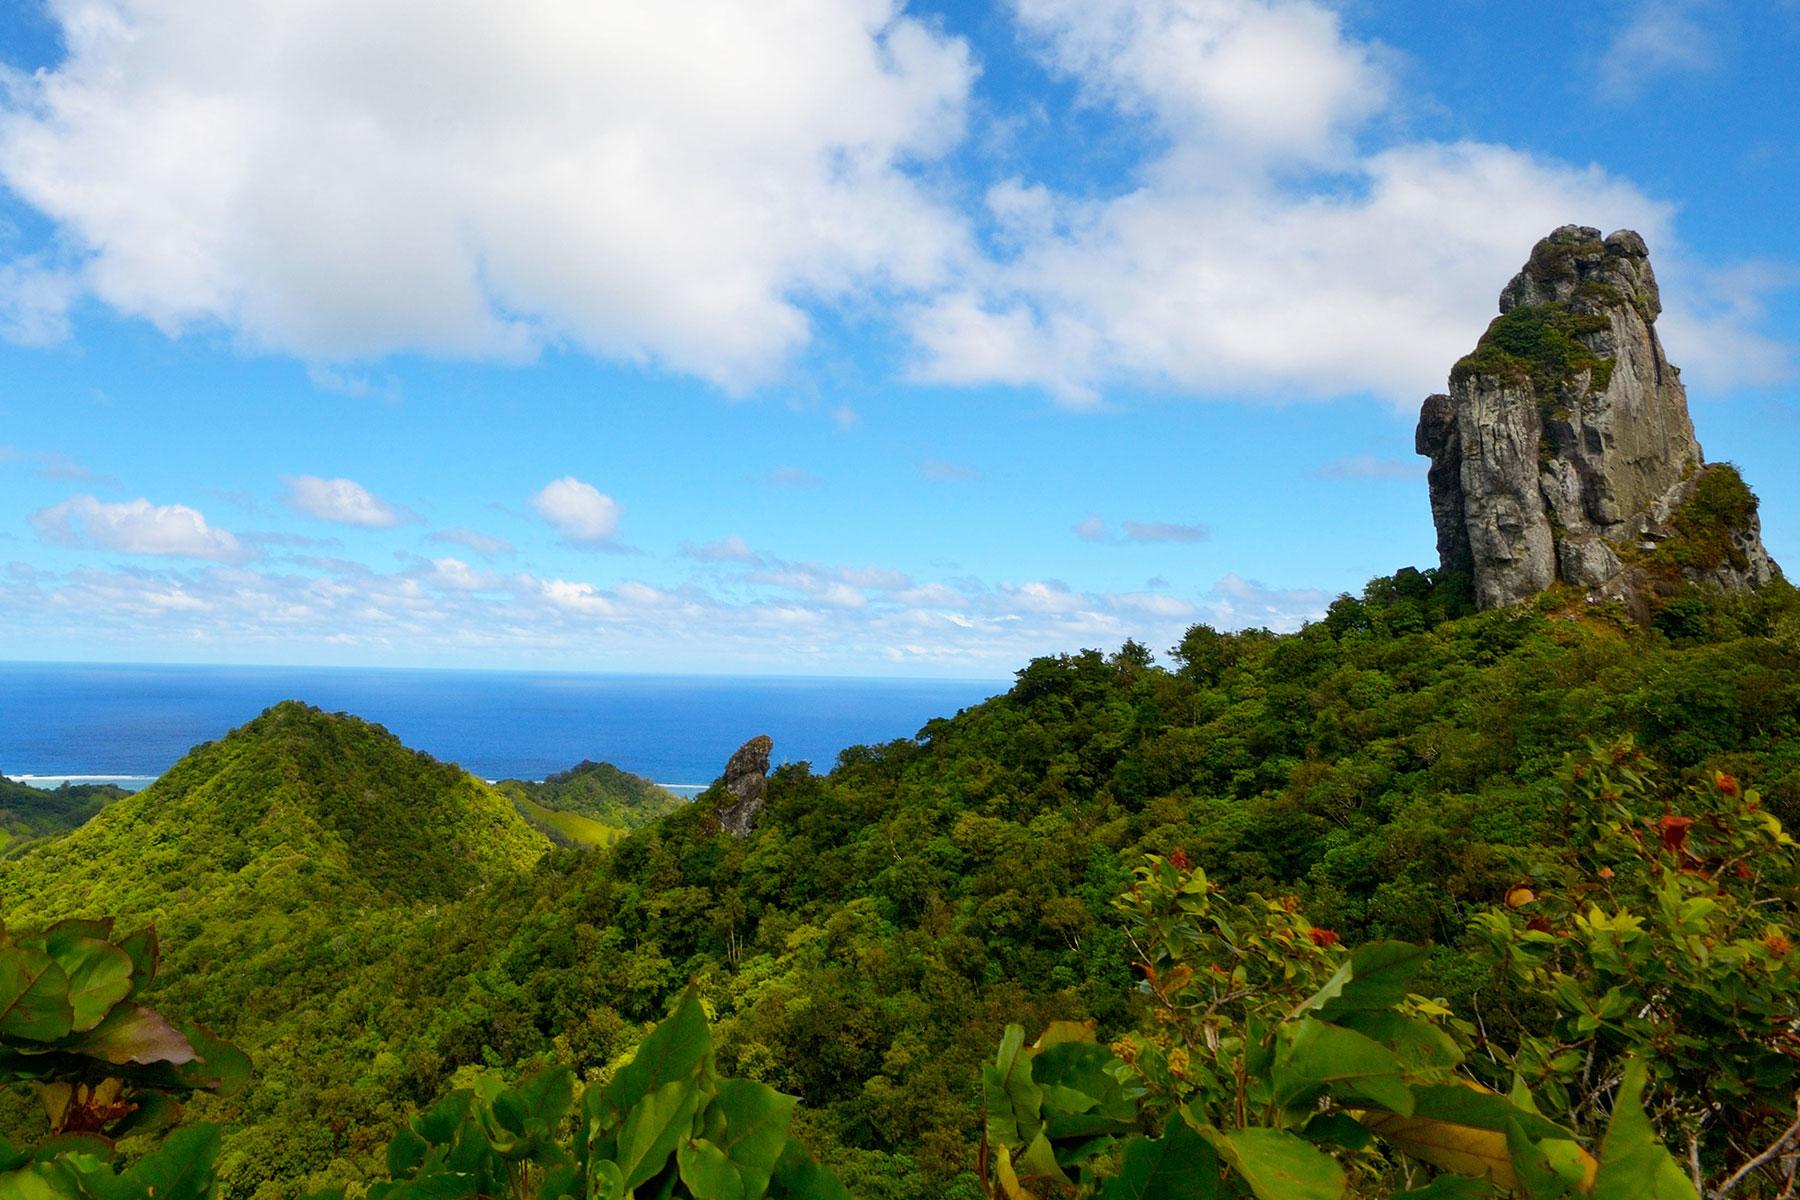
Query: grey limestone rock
x,y
746,779
1563,450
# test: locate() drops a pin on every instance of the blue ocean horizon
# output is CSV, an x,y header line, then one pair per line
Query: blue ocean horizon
x,y
127,723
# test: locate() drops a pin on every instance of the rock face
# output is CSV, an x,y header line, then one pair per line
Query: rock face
x,y
746,778
1564,452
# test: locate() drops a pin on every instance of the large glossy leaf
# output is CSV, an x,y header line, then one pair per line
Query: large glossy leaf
x,y
1419,1045
675,1050
1478,1153
1014,1102
132,1033
220,1067
180,1169
1534,1170
99,973
654,1127
1463,1102
1081,1097
756,1129
1276,1165
708,1171
798,1177
605,1181
1377,976
1179,1165
1314,1055
1633,1164
43,1181
142,948
34,995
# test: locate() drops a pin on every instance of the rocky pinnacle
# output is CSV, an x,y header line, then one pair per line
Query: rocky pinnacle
x,y
1563,451
746,779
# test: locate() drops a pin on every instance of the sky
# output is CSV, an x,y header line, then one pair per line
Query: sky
x,y
833,337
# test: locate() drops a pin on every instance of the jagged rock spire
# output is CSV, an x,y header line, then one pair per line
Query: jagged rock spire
x,y
1563,450
746,779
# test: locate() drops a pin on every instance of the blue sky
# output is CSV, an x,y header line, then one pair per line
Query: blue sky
x,y
831,337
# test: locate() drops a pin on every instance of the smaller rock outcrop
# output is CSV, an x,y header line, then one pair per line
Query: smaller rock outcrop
x,y
746,780
1563,451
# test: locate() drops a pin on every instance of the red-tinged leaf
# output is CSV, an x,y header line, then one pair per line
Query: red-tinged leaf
x,y
135,1034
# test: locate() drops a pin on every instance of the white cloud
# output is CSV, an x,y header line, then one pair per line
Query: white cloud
x,y
1092,529
135,527
577,597
1281,242
641,180
344,501
457,575
581,511
484,544
683,185
35,301
346,611
1239,603
1663,37
1268,79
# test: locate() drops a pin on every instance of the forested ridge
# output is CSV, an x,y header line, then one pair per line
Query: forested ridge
x,y
375,928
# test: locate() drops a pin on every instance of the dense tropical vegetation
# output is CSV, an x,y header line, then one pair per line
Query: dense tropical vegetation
x,y
1577,822
28,814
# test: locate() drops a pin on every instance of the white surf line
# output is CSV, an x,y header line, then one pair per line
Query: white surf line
x,y
74,778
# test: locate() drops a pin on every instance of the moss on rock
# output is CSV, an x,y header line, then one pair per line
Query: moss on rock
x,y
1538,344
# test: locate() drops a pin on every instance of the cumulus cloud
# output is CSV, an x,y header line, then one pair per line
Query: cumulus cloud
x,y
687,185
1281,242
644,181
457,575
344,501
1238,603
135,527
584,514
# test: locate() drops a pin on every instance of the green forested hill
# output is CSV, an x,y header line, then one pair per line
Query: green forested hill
x,y
600,791
279,863
28,813
591,804
331,802
1394,768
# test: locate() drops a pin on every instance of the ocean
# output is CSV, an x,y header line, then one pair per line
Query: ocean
x,y
128,723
